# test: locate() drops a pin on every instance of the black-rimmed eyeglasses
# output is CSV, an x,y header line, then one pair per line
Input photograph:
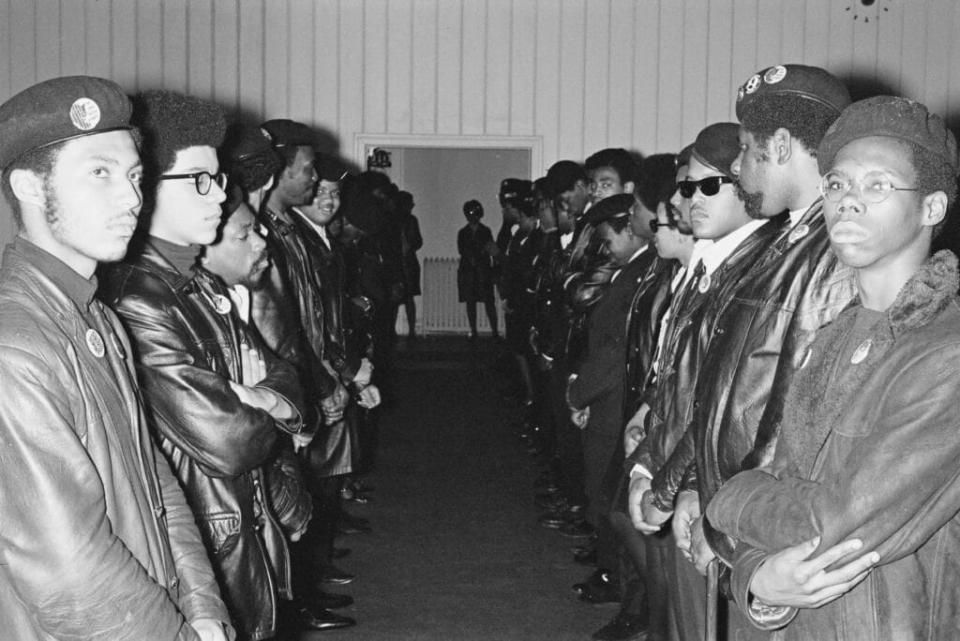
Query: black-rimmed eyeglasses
x,y
202,180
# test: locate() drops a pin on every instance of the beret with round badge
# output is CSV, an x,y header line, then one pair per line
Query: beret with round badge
x,y
893,117
811,83
515,191
58,110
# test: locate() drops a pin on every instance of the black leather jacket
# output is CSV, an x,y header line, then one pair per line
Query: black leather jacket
x,y
668,449
98,541
187,350
764,329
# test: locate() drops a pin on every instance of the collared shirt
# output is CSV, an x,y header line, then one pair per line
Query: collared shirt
x,y
78,289
321,231
565,239
240,296
719,250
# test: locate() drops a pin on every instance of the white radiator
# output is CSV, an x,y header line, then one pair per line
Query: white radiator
x,y
438,310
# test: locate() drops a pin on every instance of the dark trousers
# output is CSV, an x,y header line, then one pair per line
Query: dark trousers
x,y
568,440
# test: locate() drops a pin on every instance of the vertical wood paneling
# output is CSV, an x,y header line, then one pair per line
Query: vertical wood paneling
x,y
251,43
620,92
47,29
523,21
73,39
719,89
99,44
399,66
583,74
350,82
200,28
572,67
596,82
743,54
23,57
695,38
303,59
375,66
423,104
473,68
646,76
449,21
149,47
326,67
276,61
547,78
497,68
670,97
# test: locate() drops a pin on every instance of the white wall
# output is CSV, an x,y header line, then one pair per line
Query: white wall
x,y
581,74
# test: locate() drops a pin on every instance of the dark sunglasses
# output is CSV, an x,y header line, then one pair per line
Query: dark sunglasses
x,y
709,186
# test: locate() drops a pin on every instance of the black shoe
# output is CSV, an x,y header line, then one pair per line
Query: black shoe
x,y
320,619
329,600
598,588
586,557
552,520
336,576
551,502
339,553
349,524
624,627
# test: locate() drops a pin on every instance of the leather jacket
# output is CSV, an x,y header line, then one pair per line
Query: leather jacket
x,y
868,450
668,448
650,303
187,350
98,541
759,337
289,312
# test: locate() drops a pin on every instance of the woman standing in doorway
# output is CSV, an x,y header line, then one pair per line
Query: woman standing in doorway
x,y
475,273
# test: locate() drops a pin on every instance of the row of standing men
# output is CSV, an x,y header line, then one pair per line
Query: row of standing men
x,y
187,354
737,364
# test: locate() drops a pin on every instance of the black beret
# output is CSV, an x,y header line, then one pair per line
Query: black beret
x,y
515,191
245,143
616,206
57,110
893,117
718,145
473,207
283,133
811,83
329,168
563,175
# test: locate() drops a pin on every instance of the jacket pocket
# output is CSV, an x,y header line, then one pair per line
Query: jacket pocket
x,y
220,531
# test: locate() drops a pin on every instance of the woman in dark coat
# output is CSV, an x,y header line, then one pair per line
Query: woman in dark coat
x,y
475,273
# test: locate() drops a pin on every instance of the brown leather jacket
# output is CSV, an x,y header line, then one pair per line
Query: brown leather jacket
x,y
187,351
98,541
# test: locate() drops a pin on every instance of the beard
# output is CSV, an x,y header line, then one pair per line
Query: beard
x,y
752,202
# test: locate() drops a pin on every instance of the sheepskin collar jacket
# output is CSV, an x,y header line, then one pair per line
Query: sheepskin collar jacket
x,y
868,449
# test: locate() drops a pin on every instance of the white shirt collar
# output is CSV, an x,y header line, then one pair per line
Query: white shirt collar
x,y
321,231
240,296
714,255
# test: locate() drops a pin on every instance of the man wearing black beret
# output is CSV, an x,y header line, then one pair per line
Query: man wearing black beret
x,y
98,540
794,288
865,471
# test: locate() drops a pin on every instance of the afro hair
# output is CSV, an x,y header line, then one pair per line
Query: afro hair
x,y
170,122
806,120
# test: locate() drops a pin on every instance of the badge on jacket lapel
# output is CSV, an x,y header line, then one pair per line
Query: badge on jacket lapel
x,y
704,284
798,232
221,304
95,343
863,349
